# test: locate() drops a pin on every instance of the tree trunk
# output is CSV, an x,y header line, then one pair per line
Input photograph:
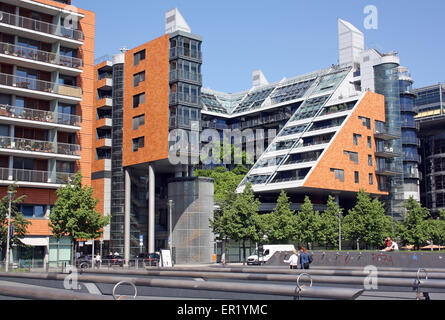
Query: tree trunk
x,y
244,252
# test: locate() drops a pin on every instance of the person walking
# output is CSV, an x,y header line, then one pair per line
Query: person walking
x,y
304,258
98,261
293,260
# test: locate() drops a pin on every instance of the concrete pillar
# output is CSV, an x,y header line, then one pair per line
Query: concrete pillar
x,y
151,209
127,216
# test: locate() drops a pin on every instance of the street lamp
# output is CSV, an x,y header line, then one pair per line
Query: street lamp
x,y
170,239
10,197
339,230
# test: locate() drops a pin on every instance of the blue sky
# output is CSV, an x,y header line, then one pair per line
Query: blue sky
x,y
284,38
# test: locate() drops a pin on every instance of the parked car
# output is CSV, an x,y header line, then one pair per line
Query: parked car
x,y
113,260
145,260
84,262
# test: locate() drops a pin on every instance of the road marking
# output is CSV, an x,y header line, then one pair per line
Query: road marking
x,y
92,288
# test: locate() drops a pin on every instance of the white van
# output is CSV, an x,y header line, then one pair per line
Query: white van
x,y
268,252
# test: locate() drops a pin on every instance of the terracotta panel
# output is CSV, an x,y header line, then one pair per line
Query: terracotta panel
x,y
372,106
155,108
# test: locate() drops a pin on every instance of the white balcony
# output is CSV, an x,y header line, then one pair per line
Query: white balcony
x,y
33,178
39,30
39,118
41,60
39,149
39,89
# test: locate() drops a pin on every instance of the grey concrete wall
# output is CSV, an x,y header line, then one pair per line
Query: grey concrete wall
x,y
193,240
401,259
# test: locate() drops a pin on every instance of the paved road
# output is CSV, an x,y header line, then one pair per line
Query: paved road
x,y
156,293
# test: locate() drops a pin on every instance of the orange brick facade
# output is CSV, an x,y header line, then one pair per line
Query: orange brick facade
x,y
156,106
85,110
371,106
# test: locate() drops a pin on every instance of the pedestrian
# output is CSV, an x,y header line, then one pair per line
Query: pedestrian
x,y
390,245
98,260
304,258
293,260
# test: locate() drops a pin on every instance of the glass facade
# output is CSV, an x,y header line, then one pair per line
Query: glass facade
x,y
387,84
117,172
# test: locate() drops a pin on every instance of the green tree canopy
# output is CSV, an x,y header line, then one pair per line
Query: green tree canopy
x,y
18,221
329,226
74,214
306,223
417,227
278,225
241,220
367,221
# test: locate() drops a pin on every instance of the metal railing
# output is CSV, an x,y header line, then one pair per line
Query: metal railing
x,y
41,56
39,115
39,85
41,26
185,52
185,98
37,176
185,75
23,144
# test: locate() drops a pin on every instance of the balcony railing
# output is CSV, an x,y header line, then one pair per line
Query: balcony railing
x,y
40,56
185,52
183,98
411,140
39,85
39,115
185,75
40,26
23,144
36,176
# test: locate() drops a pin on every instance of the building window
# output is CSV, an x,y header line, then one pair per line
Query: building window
x,y
33,211
138,121
138,99
339,174
138,57
370,162
369,142
356,177
356,137
366,122
138,78
138,143
353,156
371,179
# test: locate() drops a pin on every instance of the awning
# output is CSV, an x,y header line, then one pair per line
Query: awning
x,y
36,241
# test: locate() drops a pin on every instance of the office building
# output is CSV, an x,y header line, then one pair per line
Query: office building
x,y
430,105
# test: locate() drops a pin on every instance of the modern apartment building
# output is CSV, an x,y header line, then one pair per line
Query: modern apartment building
x,y
329,132
430,105
46,110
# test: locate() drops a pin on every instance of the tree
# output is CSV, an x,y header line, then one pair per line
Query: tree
x,y
328,233
367,221
241,220
413,229
18,221
278,224
74,214
306,223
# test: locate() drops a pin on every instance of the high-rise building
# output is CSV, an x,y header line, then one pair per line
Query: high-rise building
x,y
430,105
46,110
329,132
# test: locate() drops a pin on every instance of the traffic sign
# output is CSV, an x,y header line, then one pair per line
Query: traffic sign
x,y
11,230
